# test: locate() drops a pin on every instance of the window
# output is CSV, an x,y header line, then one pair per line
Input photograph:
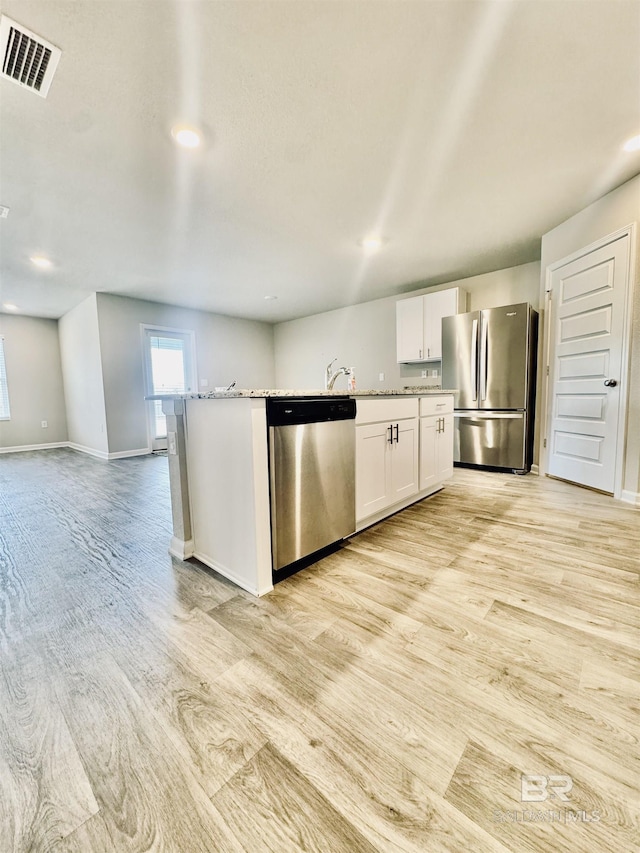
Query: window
x,y
4,389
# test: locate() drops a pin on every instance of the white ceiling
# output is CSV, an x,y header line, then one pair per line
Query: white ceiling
x,y
461,131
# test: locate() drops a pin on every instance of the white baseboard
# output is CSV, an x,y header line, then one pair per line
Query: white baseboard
x,y
630,497
535,469
363,523
180,549
232,576
125,454
20,448
100,454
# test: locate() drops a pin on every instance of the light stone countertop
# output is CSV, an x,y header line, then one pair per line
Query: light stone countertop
x,y
276,392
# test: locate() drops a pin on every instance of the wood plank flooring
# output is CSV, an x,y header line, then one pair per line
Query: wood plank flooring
x,y
389,698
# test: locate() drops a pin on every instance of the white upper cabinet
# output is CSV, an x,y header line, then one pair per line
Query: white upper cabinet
x,y
410,329
419,323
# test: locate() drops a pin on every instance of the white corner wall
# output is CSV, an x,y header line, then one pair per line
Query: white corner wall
x,y
34,378
82,374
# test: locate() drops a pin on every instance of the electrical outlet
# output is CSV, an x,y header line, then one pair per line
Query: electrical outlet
x,y
434,373
204,383
44,424
381,377
424,374
171,442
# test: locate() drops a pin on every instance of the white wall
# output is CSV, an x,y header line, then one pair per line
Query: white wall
x,y
34,377
364,336
227,349
610,213
503,287
82,374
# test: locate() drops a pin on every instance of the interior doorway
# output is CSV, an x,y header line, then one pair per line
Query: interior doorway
x,y
169,361
588,329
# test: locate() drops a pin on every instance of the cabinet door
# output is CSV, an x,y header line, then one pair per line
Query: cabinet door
x,y
410,329
404,460
436,450
445,448
437,305
428,452
373,460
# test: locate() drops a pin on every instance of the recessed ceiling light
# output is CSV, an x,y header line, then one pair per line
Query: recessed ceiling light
x,y
372,244
188,137
41,262
270,298
9,306
632,144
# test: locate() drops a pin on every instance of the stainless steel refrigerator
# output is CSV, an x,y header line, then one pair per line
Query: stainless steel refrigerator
x,y
489,356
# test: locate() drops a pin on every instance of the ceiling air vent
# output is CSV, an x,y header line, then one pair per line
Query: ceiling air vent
x,y
27,59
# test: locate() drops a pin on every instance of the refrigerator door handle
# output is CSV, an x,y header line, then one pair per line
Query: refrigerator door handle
x,y
489,416
483,361
474,360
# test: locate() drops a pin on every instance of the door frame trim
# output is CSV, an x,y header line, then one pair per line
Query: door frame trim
x,y
627,323
191,336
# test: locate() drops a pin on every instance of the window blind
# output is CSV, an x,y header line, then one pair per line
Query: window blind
x,y
5,414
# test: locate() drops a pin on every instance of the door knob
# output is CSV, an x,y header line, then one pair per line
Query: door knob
x,y
611,383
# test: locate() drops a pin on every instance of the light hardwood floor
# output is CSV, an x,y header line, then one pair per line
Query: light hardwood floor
x,y
389,698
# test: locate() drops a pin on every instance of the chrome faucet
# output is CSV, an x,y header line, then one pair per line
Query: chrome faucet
x,y
327,373
331,376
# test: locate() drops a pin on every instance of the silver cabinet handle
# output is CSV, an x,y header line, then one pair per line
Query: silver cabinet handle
x,y
611,383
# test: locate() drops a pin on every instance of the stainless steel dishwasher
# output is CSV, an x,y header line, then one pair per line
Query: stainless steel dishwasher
x,y
312,474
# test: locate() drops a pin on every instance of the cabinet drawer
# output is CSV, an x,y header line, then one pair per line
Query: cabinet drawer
x,y
386,409
436,405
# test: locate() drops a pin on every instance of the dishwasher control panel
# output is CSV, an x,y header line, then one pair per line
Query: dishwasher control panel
x,y
308,410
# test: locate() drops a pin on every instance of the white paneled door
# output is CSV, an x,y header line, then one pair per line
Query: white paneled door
x,y
588,299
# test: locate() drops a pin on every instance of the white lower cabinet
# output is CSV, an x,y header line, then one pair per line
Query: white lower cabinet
x,y
372,469
386,454
386,465
436,450
404,460
436,440
404,447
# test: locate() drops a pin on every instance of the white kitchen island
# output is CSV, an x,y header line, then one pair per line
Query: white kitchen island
x,y
219,469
